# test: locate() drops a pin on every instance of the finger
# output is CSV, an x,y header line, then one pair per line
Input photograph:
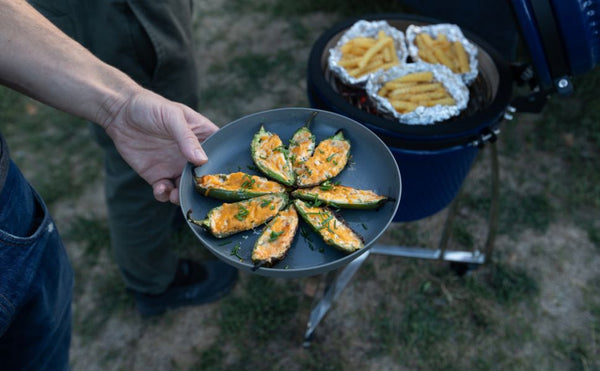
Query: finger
x,y
187,140
174,196
162,190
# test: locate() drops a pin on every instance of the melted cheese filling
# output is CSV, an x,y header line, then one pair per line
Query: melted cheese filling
x,y
239,181
302,149
277,237
339,194
328,160
331,229
270,153
244,215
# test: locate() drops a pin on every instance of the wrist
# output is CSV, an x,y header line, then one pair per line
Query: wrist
x,y
113,103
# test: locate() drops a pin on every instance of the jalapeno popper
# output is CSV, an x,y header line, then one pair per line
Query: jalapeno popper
x,y
302,145
331,228
235,186
328,160
231,218
341,196
271,157
276,239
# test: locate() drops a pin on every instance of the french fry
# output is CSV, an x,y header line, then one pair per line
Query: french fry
x,y
416,77
440,50
419,88
403,105
377,47
415,89
364,55
461,55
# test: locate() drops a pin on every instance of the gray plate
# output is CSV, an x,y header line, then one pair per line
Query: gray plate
x,y
372,166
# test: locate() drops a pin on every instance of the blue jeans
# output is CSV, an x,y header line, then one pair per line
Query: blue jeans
x,y
36,282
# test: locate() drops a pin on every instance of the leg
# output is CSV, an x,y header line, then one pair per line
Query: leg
x,y
36,282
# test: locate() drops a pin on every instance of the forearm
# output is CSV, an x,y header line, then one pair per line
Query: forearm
x,y
40,61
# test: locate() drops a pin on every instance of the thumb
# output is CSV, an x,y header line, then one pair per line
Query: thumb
x,y
187,140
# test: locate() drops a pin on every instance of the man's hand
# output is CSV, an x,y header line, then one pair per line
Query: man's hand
x,y
156,137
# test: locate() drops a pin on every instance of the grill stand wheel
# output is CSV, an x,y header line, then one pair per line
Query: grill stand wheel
x,y
460,261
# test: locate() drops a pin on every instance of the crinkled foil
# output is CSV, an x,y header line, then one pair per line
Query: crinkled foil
x,y
421,115
365,29
453,33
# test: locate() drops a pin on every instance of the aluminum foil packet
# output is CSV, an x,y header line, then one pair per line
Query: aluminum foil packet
x,y
421,115
453,33
365,29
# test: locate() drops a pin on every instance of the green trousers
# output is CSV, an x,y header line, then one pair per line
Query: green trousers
x,y
151,41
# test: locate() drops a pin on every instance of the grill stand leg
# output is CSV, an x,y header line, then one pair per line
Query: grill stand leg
x,y
442,253
331,293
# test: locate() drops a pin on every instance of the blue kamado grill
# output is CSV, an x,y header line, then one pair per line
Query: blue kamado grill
x,y
563,40
433,159
562,37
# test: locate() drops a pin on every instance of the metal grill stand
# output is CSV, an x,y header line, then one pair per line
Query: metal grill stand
x,y
463,260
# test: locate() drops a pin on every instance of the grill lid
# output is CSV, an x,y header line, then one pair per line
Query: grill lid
x,y
563,39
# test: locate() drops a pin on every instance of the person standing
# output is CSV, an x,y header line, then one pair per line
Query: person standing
x,y
152,42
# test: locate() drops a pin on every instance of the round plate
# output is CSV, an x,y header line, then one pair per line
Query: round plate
x,y
371,166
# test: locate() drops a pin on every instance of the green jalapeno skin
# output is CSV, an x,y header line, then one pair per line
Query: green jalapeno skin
x,y
276,238
341,197
329,158
332,228
235,186
231,218
271,157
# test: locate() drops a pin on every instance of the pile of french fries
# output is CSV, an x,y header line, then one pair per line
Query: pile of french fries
x,y
415,89
364,55
443,51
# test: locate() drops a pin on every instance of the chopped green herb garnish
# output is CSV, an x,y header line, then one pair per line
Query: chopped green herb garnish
x,y
326,185
274,235
242,213
330,157
281,149
236,251
364,226
265,203
248,182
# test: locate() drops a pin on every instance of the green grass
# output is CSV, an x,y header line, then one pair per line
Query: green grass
x,y
570,127
56,154
516,212
444,315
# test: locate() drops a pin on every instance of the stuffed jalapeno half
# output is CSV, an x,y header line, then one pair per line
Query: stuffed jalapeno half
x,y
301,147
271,157
328,160
330,227
231,218
340,196
235,186
276,239
302,144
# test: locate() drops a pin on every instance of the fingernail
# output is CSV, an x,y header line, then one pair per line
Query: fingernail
x,y
200,156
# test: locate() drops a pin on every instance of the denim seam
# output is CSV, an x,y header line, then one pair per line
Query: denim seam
x,y
7,308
